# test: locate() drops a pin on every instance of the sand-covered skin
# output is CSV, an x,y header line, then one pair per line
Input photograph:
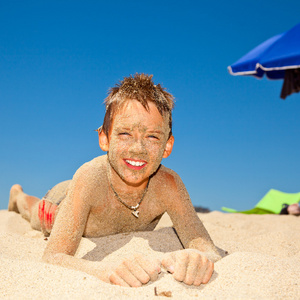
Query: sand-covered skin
x,y
263,261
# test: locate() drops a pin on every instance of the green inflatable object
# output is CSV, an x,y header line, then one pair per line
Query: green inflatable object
x,y
271,203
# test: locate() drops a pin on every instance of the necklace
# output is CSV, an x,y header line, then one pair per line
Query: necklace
x,y
135,212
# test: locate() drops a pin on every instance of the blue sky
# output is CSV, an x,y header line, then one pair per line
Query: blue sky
x,y
234,137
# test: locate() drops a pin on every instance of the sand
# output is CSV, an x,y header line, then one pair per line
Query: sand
x,y
263,261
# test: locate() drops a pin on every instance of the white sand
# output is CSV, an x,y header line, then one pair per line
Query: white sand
x,y
263,261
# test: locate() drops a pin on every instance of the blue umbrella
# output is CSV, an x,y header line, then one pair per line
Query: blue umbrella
x,y
278,58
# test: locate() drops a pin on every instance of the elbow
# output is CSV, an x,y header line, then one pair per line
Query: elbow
x,y
52,258
47,257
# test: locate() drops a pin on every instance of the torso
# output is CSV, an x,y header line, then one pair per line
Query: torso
x,y
109,216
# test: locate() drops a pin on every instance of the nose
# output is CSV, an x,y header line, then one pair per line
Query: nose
x,y
137,147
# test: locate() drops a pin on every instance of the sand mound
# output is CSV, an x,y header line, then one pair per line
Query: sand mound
x,y
263,261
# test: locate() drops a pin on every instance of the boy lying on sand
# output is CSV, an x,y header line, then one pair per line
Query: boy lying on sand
x,y
126,190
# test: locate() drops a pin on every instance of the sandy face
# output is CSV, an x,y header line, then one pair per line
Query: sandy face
x,y
137,142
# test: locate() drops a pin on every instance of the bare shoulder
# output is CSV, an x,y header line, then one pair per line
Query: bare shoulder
x,y
168,177
93,168
168,186
90,178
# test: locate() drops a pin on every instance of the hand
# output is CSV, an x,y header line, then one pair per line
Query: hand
x,y
135,272
189,266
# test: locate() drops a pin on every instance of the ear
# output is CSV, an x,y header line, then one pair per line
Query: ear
x,y
103,141
169,147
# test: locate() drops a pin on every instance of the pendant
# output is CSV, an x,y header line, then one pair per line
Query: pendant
x,y
135,213
135,207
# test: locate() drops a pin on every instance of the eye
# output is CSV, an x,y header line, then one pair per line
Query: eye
x,y
124,134
153,137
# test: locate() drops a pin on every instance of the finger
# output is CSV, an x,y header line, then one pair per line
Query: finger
x,y
182,260
137,271
208,273
117,280
168,262
204,272
124,273
192,268
151,268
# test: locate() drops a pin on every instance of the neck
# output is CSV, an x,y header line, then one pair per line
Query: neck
x,y
122,187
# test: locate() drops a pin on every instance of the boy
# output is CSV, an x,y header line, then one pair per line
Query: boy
x,y
126,190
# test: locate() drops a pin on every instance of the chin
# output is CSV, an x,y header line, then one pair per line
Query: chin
x,y
135,182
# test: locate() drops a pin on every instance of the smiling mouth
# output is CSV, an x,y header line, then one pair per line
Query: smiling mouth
x,y
135,164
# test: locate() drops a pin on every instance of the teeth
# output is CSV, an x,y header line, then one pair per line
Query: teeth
x,y
135,163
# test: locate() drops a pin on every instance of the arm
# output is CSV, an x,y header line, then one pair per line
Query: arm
x,y
187,224
67,232
195,264
66,235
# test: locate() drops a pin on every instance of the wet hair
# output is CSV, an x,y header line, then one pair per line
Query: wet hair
x,y
139,87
